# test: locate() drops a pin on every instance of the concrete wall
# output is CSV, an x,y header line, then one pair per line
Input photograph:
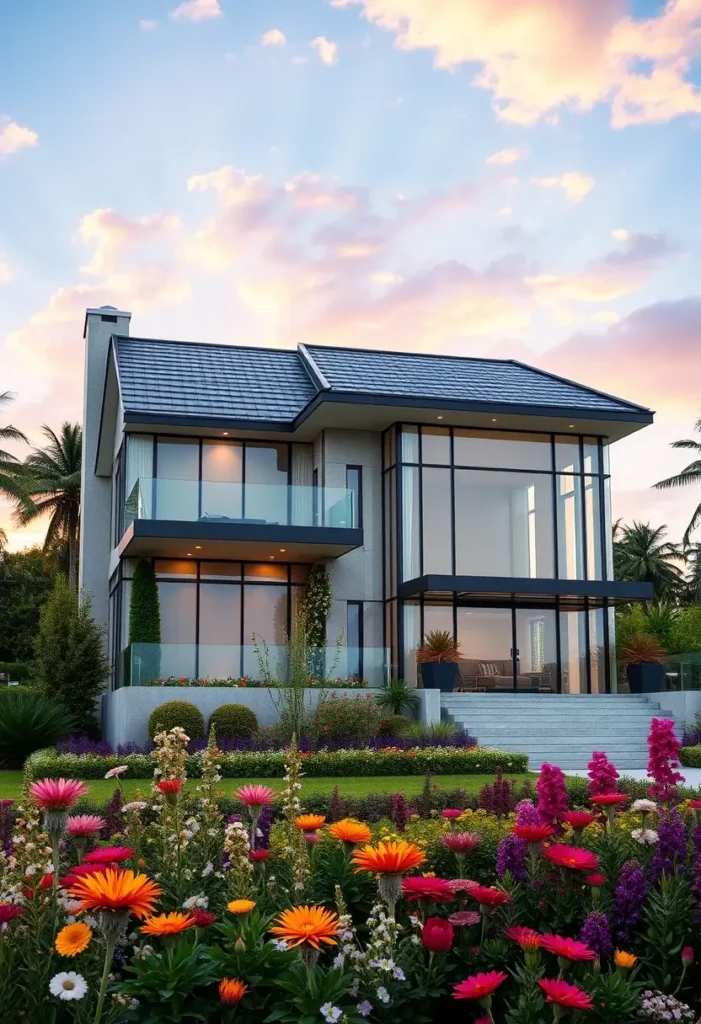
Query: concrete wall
x,y
682,705
125,712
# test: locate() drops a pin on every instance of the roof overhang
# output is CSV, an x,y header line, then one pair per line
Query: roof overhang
x,y
568,594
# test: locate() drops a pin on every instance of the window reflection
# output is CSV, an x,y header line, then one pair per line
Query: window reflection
x,y
437,521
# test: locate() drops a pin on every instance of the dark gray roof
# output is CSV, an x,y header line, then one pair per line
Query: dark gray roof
x,y
233,382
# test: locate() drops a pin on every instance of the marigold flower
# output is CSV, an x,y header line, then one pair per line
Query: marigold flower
x,y
533,833
84,825
479,986
168,924
350,831
624,960
488,897
310,822
116,890
572,857
8,911
57,794
578,820
437,935
392,858
528,939
609,799
240,906
108,855
255,796
308,926
569,949
460,842
436,889
73,939
232,991
564,994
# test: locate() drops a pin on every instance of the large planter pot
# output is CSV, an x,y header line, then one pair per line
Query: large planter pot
x,y
439,675
646,677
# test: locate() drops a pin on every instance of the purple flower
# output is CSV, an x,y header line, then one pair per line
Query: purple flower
x,y
670,853
264,822
696,889
596,932
511,856
527,814
631,893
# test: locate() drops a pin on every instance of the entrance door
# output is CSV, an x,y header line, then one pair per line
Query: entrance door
x,y
485,636
536,650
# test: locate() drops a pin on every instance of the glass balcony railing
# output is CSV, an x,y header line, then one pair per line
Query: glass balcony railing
x,y
147,664
240,503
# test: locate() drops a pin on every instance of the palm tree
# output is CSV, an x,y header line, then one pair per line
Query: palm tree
x,y
51,481
9,465
693,574
691,474
642,555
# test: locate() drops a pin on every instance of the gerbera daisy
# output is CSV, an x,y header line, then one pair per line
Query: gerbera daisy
x,y
114,773
84,825
479,986
310,822
203,918
460,842
240,906
451,813
578,820
533,834
465,918
595,879
609,799
389,861
488,897
527,938
170,789
564,994
572,857
168,924
259,855
115,890
232,991
57,794
73,939
307,926
109,855
459,885
350,832
255,796
437,890
8,911
569,949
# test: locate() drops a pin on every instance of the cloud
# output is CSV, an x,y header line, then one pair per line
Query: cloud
x,y
621,234
112,234
507,156
387,277
606,316
273,37
14,137
327,51
6,274
574,184
147,25
536,56
197,10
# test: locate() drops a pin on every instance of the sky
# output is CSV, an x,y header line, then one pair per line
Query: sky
x,y
512,178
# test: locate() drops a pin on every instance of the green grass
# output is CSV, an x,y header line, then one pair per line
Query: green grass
x,y
410,785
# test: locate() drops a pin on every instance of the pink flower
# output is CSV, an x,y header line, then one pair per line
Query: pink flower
x,y
57,794
462,885
109,854
84,824
465,918
688,955
602,774
255,796
552,793
451,812
663,749
460,842
114,773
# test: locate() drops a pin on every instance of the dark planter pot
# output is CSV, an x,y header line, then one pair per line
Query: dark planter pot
x,y
646,677
439,675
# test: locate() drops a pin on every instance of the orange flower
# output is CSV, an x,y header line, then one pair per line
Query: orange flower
x,y
168,924
310,822
624,960
232,991
308,925
73,939
116,890
240,906
350,831
393,858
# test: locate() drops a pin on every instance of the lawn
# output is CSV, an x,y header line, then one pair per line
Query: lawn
x,y
410,785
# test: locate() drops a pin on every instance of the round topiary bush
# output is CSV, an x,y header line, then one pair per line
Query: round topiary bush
x,y
394,725
174,713
230,721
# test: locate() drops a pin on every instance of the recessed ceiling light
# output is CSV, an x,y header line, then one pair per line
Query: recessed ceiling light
x,y
571,426
494,419
225,434
189,554
198,547
439,417
272,556
283,550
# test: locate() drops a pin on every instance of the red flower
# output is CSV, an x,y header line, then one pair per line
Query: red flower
x,y
578,819
479,986
436,889
573,857
259,855
451,812
570,949
202,918
564,994
533,833
527,938
596,879
437,935
609,799
108,855
688,955
489,897
8,911
695,804
169,785
460,842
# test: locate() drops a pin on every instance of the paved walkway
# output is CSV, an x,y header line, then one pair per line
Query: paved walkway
x,y
692,776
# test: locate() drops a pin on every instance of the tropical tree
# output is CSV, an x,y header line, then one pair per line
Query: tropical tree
x,y
51,485
691,474
642,555
9,464
693,574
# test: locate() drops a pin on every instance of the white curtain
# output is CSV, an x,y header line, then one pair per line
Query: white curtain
x,y
139,469
302,466
410,522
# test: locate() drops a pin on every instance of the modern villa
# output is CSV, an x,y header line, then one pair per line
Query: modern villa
x,y
442,492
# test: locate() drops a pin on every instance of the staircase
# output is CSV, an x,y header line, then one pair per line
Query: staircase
x,y
563,729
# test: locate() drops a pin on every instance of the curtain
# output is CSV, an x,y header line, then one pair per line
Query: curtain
x,y
138,478
302,465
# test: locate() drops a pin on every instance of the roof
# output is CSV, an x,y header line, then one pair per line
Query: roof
x,y
279,386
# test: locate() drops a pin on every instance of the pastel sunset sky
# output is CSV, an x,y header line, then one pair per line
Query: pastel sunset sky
x,y
517,178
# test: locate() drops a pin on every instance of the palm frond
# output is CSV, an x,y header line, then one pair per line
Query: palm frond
x,y
690,475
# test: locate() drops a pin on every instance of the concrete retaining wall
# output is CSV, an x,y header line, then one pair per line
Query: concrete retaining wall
x,y
125,712
683,705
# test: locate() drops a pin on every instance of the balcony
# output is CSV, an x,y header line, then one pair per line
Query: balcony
x,y
169,517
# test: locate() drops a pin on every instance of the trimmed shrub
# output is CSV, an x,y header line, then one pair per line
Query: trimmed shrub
x,y
232,720
358,717
174,713
18,671
690,757
30,721
394,725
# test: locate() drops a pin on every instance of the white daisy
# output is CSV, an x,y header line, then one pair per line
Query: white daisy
x,y
68,985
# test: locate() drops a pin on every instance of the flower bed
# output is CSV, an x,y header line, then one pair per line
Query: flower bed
x,y
270,764
246,682
166,911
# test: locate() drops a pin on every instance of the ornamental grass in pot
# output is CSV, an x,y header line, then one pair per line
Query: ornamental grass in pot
x,y
438,657
643,659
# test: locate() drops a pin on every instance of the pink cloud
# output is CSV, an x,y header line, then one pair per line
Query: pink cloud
x,y
326,50
197,10
14,137
574,184
112,234
273,37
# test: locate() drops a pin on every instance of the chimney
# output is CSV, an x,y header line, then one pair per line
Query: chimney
x,y
95,539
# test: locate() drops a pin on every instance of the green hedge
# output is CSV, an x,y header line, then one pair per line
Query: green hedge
x,y
690,757
271,764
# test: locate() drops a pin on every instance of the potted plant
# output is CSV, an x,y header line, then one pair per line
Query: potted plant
x,y
438,657
643,659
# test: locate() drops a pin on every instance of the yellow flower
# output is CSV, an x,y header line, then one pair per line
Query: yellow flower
x,y
73,939
624,960
240,906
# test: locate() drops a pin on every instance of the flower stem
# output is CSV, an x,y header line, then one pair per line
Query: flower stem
x,y
103,982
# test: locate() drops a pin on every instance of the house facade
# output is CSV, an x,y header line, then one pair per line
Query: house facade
x,y
471,495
